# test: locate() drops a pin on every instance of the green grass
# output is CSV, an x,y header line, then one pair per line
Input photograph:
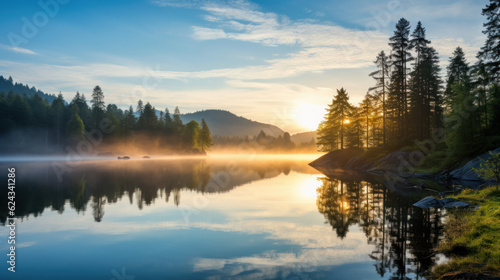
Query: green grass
x,y
473,237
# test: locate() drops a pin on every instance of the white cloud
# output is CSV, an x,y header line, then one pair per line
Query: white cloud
x,y
18,49
322,46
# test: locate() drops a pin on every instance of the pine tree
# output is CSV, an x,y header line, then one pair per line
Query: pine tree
x,y
58,111
192,134
97,105
332,129
177,122
458,73
400,56
490,52
382,77
481,79
205,137
462,123
140,106
75,127
148,119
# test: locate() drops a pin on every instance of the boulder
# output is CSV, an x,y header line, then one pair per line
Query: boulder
x,y
465,173
432,202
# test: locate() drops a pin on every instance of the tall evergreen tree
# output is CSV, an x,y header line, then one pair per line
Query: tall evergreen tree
x,y
148,119
458,73
481,79
192,135
98,106
177,122
205,137
382,77
140,106
58,114
75,128
490,52
400,43
332,129
462,122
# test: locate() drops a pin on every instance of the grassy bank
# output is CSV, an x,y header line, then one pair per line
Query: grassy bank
x,y
473,237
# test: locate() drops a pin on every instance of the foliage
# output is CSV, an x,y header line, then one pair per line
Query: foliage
x,y
331,131
489,169
30,122
473,237
205,140
490,52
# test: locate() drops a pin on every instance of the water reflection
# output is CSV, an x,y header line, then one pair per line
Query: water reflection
x,y
403,236
267,218
95,184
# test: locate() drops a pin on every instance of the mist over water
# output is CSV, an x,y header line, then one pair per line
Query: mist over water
x,y
244,216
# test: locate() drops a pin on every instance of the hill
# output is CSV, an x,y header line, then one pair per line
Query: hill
x,y
7,85
225,123
304,137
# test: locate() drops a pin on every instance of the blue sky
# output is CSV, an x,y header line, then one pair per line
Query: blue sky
x,y
273,61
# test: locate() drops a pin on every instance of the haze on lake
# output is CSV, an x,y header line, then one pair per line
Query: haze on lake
x,y
223,217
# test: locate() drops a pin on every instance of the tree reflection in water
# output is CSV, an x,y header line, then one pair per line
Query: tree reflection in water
x,y
404,236
95,184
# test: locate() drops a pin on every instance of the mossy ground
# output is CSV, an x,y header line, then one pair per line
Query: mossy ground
x,y
473,237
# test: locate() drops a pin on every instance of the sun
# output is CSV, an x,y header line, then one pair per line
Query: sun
x,y
309,115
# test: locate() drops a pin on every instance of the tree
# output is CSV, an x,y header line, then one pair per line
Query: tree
x,y
382,77
129,122
481,80
205,139
400,56
354,129
458,73
168,122
84,111
97,105
58,110
75,127
97,98
148,119
490,52
425,91
20,111
177,122
140,106
365,112
192,134
489,169
461,122
331,130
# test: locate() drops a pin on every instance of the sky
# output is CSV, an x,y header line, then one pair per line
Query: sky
x,y
273,61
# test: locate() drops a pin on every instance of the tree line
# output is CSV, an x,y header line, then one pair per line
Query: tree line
x,y
32,121
263,142
410,100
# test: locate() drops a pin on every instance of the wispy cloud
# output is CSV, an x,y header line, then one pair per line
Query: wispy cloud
x,y
17,49
322,46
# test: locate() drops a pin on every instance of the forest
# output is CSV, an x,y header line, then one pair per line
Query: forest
x,y
32,125
410,103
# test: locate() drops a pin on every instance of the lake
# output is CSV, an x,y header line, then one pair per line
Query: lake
x,y
220,217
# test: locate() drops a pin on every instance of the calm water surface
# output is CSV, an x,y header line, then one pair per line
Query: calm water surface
x,y
217,218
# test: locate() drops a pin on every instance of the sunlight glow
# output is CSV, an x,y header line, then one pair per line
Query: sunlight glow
x,y
309,115
309,186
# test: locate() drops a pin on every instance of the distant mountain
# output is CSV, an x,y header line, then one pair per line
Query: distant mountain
x,y
7,85
224,123
304,137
